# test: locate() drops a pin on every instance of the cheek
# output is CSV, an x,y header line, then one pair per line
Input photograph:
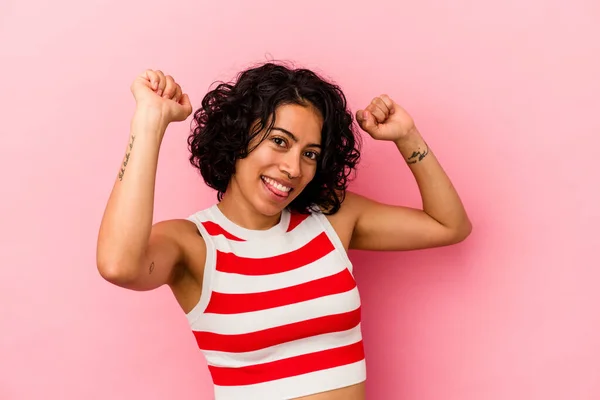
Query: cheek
x,y
308,173
262,157
243,171
251,163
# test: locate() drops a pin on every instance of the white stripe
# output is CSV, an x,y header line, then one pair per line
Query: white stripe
x,y
235,324
333,236
225,282
297,386
295,348
270,246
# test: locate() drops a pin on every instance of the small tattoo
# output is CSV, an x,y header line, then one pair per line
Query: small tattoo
x,y
126,161
417,156
151,267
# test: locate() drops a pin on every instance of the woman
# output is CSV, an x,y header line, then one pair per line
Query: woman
x,y
263,275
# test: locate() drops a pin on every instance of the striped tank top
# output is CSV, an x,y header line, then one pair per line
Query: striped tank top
x,y
279,314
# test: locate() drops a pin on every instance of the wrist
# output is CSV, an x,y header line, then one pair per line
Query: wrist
x,y
412,146
149,120
412,136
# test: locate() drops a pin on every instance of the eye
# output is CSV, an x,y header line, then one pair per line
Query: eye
x,y
278,141
312,155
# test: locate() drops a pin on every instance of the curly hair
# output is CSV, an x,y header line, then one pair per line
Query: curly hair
x,y
232,114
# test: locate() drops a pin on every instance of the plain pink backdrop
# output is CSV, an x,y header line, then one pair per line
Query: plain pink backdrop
x,y
507,94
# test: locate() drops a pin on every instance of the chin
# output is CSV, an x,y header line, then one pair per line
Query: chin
x,y
269,209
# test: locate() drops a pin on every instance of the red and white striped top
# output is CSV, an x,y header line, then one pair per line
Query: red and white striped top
x,y
279,315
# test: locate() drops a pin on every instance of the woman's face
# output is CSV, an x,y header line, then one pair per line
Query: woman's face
x,y
277,171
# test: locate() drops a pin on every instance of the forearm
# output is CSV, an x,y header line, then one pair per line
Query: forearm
x,y
439,197
127,221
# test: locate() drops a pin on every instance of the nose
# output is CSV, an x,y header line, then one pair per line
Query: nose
x,y
290,164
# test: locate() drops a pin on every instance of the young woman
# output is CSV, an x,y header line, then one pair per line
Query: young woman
x,y
263,276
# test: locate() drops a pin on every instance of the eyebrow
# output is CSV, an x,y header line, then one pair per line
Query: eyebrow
x,y
294,138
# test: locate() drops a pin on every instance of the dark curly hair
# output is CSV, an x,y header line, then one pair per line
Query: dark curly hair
x,y
232,114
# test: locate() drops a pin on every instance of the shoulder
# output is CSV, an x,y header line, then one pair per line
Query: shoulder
x,y
353,202
350,208
175,228
345,219
185,234
181,236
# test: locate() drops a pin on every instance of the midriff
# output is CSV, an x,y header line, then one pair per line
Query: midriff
x,y
354,392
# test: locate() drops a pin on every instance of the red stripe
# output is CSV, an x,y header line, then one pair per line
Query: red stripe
x,y
310,252
229,303
288,367
295,220
215,229
281,334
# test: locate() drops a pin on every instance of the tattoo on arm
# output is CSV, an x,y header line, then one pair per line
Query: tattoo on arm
x,y
122,171
417,156
151,268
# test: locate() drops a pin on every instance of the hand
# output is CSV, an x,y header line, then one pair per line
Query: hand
x,y
152,89
383,119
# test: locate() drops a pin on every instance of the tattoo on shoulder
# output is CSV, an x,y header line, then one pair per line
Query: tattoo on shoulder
x,y
127,155
151,268
417,156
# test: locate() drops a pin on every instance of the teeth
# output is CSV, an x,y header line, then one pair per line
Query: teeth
x,y
276,185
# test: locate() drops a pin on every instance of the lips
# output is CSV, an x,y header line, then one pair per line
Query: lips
x,y
276,187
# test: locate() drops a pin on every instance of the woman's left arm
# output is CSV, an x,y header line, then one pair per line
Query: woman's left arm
x,y
443,219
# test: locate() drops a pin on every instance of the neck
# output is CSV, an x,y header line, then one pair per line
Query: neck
x,y
240,212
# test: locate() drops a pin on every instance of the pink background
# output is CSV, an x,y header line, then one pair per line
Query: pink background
x,y
505,93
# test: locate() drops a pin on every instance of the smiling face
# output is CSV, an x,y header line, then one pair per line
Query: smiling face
x,y
279,168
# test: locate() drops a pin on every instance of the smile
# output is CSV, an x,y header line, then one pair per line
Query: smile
x,y
276,187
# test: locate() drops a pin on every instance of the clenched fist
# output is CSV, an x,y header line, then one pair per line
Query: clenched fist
x,y
159,92
384,119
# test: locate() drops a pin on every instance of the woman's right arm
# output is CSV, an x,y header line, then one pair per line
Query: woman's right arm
x,y
131,251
